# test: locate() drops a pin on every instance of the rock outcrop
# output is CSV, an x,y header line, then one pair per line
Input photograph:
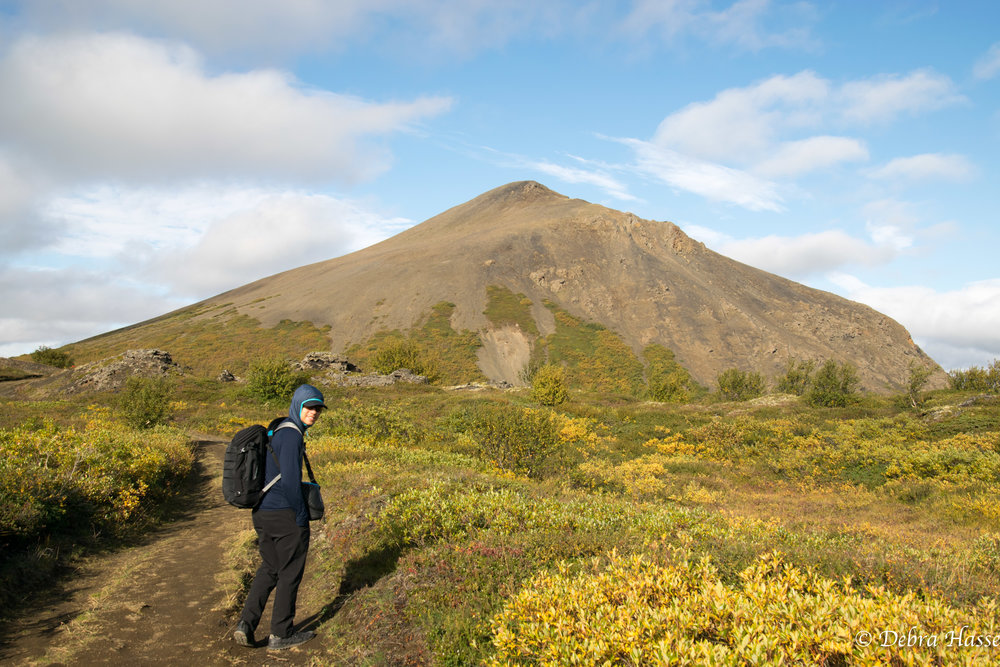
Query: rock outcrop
x,y
111,374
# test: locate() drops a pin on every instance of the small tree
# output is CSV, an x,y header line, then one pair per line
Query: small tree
x,y
976,378
797,377
737,385
522,441
273,379
918,377
548,386
145,402
834,385
50,357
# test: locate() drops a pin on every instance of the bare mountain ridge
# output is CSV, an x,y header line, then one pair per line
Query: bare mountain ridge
x,y
646,280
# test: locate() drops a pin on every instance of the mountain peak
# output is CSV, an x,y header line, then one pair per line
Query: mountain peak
x,y
526,191
646,281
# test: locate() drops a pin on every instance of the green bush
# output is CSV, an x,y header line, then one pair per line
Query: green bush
x,y
737,385
46,355
273,379
396,353
797,377
548,386
666,380
915,381
834,385
376,423
145,402
515,439
975,378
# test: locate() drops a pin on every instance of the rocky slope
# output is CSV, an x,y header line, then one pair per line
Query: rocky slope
x,y
645,280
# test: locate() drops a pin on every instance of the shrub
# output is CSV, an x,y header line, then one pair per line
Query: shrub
x,y
975,378
737,385
374,423
797,377
515,439
915,381
46,355
396,353
145,402
548,386
58,481
834,385
273,379
666,380
637,612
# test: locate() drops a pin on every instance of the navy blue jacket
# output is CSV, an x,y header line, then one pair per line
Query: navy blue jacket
x,y
288,446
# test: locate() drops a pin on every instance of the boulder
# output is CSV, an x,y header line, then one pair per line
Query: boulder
x,y
111,374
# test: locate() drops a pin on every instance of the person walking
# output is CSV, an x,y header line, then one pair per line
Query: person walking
x,y
282,525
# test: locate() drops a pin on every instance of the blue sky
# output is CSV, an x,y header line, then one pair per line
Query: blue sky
x,y
153,154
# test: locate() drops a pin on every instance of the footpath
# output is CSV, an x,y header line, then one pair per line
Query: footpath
x,y
157,603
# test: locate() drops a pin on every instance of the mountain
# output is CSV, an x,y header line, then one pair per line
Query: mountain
x,y
645,280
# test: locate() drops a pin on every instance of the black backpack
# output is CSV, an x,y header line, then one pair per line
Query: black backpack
x,y
243,467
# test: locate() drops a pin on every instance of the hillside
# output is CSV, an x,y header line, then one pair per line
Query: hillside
x,y
645,281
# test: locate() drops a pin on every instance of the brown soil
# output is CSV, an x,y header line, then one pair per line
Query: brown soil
x,y
158,603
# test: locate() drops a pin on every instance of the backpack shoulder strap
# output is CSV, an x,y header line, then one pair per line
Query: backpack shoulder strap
x,y
274,457
288,423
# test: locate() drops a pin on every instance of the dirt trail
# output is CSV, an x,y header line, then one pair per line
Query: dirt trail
x,y
158,603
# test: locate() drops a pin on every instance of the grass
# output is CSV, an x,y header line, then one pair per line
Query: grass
x,y
503,307
426,543
445,355
595,357
207,339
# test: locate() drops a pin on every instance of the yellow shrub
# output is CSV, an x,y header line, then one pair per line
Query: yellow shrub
x,y
99,474
635,612
638,477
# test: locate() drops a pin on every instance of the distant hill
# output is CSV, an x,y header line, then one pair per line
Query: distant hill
x,y
562,260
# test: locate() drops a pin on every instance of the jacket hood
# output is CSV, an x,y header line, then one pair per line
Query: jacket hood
x,y
306,394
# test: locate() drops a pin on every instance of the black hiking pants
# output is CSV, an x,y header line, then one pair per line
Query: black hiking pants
x,y
283,546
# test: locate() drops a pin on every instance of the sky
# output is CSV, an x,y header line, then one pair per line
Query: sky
x,y
153,154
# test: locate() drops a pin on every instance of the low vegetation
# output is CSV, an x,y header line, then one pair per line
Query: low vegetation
x,y
273,380
548,385
568,524
50,357
65,486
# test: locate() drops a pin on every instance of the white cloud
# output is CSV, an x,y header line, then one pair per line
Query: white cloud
x,y
743,24
706,179
882,98
598,178
957,328
890,223
64,305
200,240
256,28
280,232
741,124
797,256
988,66
928,166
794,158
115,105
20,226
159,249
749,25
748,125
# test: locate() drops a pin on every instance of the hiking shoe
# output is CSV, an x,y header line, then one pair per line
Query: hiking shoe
x,y
276,642
243,634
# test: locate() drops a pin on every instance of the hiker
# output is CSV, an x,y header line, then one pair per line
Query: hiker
x,y
282,524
